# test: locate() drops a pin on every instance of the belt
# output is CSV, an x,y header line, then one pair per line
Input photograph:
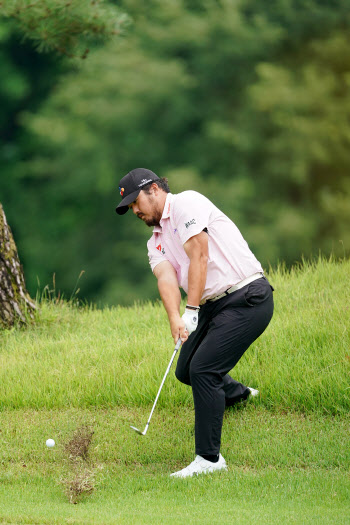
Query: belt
x,y
236,287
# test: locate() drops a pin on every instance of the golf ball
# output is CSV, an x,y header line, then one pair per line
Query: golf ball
x,y
50,443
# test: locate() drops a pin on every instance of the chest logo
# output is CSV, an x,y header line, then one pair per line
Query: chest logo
x,y
189,223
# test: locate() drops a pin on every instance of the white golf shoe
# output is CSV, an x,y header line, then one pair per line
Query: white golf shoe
x,y
253,392
200,466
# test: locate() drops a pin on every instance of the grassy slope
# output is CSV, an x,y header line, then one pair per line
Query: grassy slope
x,y
118,356
288,451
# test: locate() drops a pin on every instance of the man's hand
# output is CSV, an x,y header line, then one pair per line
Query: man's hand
x,y
178,328
190,318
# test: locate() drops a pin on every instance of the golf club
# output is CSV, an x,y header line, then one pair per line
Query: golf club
x,y
178,344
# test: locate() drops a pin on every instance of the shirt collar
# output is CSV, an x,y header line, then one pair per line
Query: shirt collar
x,y
166,212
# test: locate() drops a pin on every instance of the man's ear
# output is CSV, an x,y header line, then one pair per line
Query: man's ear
x,y
155,188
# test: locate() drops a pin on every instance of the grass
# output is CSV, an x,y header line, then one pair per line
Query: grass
x,y
283,468
118,356
287,450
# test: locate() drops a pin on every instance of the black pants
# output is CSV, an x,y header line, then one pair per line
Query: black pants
x,y
226,328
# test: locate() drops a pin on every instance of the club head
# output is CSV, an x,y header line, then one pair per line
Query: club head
x,y
138,431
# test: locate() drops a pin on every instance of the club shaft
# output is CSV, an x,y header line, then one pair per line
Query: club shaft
x,y
178,344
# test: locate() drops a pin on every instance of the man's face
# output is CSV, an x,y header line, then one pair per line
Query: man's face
x,y
146,209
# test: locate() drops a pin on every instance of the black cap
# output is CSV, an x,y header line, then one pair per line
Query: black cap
x,y
131,185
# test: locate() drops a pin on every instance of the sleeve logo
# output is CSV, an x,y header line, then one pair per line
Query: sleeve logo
x,y
189,223
159,247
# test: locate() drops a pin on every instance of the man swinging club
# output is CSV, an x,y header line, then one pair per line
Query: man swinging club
x,y
229,301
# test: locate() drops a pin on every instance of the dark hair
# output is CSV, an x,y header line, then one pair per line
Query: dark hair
x,y
161,183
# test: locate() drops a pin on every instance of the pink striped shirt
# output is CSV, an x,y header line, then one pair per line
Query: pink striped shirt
x,y
187,214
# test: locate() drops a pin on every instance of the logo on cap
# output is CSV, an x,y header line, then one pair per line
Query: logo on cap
x,y
144,181
121,191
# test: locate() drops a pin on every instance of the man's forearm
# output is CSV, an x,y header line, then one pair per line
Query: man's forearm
x,y
197,276
170,294
171,297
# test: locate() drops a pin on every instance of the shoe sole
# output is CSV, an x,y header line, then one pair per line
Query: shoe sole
x,y
198,473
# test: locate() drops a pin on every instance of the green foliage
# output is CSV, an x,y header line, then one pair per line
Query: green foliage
x,y
246,102
304,107
65,26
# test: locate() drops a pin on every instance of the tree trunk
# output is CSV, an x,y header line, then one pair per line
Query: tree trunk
x,y
15,302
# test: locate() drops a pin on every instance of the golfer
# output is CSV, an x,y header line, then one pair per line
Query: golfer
x,y
229,301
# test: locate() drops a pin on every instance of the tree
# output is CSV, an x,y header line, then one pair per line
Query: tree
x,y
64,27
15,302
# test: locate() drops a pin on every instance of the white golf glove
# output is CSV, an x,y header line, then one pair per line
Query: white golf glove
x,y
190,318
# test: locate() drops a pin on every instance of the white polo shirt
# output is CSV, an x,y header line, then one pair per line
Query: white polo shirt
x,y
187,214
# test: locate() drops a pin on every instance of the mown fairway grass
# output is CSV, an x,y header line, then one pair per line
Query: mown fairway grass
x,y
287,451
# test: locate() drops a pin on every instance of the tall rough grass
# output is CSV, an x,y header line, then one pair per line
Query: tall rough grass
x,y
82,357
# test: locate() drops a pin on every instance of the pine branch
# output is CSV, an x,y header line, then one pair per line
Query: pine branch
x,y
68,27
